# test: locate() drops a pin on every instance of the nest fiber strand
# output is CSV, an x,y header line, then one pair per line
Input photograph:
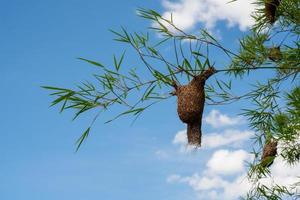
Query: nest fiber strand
x,y
269,151
190,105
275,54
270,10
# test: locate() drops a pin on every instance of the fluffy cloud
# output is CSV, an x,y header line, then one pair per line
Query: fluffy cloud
x,y
238,187
173,178
188,13
216,119
228,162
283,173
225,174
180,138
212,182
199,183
232,137
215,187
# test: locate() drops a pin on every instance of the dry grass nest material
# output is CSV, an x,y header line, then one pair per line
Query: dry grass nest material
x,y
275,54
190,105
270,10
269,153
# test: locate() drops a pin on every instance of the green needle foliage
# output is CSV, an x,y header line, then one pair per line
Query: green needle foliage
x,y
272,47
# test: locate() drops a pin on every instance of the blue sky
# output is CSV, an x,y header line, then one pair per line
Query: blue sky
x,y
40,41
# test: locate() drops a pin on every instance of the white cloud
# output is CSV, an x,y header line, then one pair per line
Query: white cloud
x,y
180,138
199,183
238,187
212,183
231,137
216,119
173,178
283,173
224,177
215,187
188,13
227,162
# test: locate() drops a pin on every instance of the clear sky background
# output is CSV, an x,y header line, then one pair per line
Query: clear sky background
x,y
40,41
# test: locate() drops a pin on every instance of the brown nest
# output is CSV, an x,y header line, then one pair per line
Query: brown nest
x,y
190,104
270,10
269,153
275,54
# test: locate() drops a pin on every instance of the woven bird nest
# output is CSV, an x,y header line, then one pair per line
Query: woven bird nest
x,y
269,153
190,105
275,54
270,10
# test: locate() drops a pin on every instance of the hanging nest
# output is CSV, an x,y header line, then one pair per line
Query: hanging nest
x,y
275,54
269,153
270,10
190,104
